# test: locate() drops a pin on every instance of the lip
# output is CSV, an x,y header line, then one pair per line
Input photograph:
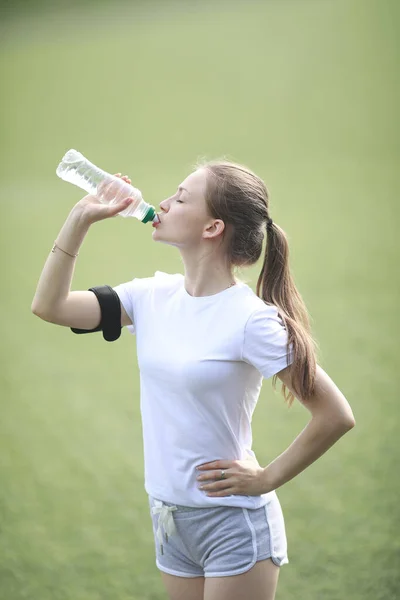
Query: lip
x,y
157,223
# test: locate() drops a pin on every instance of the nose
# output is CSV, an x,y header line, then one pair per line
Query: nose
x,y
164,205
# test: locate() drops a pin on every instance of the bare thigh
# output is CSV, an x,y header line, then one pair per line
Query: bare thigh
x,y
183,588
259,583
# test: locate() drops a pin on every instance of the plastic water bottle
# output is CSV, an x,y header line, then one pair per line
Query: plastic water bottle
x,y
76,169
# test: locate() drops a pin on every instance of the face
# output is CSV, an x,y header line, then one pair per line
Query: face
x,y
185,221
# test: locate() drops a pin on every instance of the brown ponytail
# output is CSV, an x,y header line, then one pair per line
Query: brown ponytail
x,y
240,198
275,286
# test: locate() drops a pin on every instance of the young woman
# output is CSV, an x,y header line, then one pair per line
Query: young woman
x,y
205,341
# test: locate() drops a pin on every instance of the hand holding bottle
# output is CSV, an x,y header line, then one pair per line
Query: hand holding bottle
x,y
91,209
107,188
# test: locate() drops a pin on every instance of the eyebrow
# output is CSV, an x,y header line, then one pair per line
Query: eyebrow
x,y
180,188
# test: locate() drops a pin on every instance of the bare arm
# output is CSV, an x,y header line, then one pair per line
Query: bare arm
x,y
53,300
331,418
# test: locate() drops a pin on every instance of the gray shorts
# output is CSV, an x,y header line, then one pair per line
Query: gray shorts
x,y
218,541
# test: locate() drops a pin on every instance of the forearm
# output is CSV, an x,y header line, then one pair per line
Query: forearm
x,y
315,439
55,280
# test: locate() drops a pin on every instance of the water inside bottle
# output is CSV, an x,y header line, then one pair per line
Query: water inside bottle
x,y
75,169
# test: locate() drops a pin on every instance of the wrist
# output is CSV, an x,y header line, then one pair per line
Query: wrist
x,y
266,480
73,232
79,218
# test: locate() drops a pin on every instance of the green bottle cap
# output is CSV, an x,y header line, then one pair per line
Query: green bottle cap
x,y
149,216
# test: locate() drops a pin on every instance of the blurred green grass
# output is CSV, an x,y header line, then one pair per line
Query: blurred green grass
x,y
306,93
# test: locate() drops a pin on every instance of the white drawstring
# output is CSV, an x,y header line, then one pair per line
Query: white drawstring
x,y
165,520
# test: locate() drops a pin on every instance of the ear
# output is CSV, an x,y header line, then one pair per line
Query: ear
x,y
214,229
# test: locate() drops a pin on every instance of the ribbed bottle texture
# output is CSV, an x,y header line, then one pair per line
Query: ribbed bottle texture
x,y
77,169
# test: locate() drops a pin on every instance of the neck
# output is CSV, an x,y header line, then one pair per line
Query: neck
x,y
206,275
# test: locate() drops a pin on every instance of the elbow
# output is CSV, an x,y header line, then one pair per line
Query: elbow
x,y
348,424
46,314
336,424
345,423
39,311
35,309
348,418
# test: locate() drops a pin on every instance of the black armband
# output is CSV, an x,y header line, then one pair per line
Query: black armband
x,y
110,306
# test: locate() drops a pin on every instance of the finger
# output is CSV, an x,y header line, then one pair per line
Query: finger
x,y
117,174
216,464
115,209
211,475
215,486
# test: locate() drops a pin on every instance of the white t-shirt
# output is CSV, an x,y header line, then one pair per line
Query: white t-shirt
x,y
201,362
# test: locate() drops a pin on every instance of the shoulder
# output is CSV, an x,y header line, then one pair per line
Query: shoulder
x,y
142,287
265,315
265,341
255,308
166,280
158,280
260,318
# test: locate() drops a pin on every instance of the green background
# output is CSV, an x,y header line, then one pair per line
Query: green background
x,y
306,93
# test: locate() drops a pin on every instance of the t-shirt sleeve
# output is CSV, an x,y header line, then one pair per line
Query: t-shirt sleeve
x,y
265,342
130,294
